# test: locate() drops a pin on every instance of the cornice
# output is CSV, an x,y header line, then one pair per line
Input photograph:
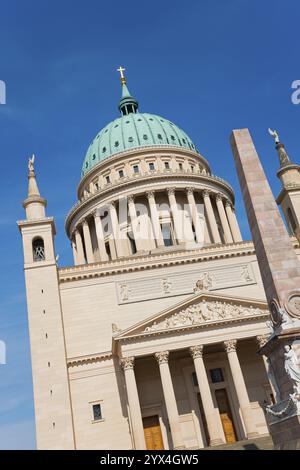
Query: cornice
x,y
180,329
89,359
155,260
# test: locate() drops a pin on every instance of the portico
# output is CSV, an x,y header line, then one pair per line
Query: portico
x,y
197,382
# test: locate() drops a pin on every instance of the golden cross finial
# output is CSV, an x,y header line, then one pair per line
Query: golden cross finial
x,y
121,70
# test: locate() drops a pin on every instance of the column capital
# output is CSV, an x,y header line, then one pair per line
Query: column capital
x,y
95,213
84,222
230,345
206,193
111,204
127,363
219,197
228,203
190,190
162,357
196,351
261,340
130,198
150,194
171,191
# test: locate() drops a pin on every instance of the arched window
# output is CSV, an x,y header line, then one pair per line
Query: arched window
x,y
291,220
38,249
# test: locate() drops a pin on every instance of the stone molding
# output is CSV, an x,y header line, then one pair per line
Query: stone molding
x,y
140,263
90,359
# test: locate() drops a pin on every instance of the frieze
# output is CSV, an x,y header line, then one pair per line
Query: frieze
x,y
155,287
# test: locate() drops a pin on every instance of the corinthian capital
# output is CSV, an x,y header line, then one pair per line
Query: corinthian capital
x,y
171,191
228,203
190,190
230,345
150,194
196,351
261,340
219,197
130,198
127,363
162,357
206,193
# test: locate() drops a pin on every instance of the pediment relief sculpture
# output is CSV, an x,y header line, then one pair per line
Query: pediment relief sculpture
x,y
203,312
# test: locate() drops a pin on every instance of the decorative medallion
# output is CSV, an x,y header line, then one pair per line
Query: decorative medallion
x,y
275,311
292,304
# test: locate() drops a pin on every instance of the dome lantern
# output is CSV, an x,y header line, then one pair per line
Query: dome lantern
x,y
128,104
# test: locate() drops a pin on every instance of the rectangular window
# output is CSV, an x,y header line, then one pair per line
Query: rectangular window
x,y
97,412
180,166
192,168
121,173
136,169
166,233
151,166
216,375
107,179
167,165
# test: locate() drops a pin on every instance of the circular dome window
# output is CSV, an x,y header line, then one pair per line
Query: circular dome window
x,y
116,144
104,149
145,137
130,139
159,136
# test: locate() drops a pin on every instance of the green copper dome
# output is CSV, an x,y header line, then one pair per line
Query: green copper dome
x,y
133,130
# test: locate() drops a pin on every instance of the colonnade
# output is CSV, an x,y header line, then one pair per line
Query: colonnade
x,y
208,232
211,413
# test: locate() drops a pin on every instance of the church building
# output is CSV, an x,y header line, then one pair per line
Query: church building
x,y
150,340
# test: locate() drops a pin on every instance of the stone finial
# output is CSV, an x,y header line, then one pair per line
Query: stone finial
x,y
284,159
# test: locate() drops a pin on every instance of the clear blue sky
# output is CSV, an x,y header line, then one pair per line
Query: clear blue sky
x,y
209,66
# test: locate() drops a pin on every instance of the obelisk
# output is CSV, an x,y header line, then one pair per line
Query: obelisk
x,y
280,272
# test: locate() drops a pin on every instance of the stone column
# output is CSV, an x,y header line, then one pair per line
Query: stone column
x,y
211,217
223,218
127,364
240,387
79,247
136,229
100,237
155,220
211,414
116,229
234,227
75,255
170,400
199,228
87,242
178,223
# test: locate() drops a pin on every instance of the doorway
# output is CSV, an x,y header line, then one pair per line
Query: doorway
x,y
152,432
225,415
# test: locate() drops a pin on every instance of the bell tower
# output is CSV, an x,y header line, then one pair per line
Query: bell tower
x,y
289,196
54,424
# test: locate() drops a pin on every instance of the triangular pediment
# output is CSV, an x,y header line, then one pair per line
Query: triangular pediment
x,y
199,310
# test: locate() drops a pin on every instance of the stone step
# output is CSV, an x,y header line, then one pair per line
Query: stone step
x,y
260,443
